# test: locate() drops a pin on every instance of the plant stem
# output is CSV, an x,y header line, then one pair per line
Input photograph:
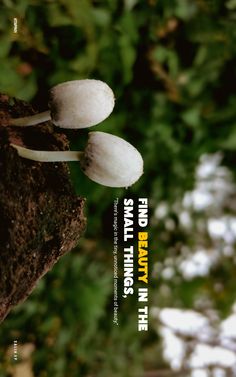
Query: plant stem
x,y
31,120
48,156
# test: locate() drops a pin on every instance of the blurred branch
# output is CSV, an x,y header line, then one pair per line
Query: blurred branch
x,y
171,87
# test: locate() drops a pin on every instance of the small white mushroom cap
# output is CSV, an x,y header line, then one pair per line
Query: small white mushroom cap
x,y
80,103
111,161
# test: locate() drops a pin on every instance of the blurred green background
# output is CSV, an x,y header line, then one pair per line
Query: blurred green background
x,y
172,67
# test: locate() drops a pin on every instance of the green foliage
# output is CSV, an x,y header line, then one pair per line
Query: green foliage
x,y
66,319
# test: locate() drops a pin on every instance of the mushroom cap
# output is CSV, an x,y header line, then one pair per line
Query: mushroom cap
x,y
111,161
80,103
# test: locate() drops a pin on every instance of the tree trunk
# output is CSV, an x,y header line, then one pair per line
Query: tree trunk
x,y
41,218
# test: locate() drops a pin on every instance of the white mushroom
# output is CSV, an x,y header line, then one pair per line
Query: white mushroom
x,y
74,104
111,161
107,159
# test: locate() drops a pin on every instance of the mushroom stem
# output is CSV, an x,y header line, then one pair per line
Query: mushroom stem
x,y
31,120
47,156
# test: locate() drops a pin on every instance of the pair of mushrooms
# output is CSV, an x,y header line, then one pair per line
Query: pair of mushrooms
x,y
107,159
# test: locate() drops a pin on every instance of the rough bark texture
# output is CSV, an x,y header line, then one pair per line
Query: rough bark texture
x,y
41,218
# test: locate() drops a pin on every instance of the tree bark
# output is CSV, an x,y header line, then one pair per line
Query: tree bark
x,y
41,218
